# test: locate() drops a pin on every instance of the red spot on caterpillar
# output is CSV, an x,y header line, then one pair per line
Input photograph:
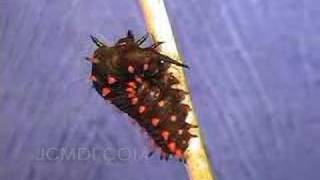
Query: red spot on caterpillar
x,y
173,118
155,121
130,90
161,103
131,95
138,79
178,153
130,69
145,67
105,91
134,101
142,109
165,135
132,84
172,146
111,80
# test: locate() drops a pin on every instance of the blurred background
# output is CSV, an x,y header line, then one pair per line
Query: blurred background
x,y
254,79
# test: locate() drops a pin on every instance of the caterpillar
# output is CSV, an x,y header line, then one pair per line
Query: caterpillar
x,y
136,80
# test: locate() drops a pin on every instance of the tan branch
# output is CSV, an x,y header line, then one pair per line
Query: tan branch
x,y
158,24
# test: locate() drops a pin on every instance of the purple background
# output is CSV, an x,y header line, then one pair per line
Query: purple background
x,y
255,82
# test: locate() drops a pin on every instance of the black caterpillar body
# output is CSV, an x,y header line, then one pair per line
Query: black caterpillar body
x,y
136,80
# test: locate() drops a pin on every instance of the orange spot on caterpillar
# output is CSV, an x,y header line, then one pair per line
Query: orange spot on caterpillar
x,y
138,79
165,135
131,95
155,121
172,146
142,109
134,101
132,84
173,118
105,91
130,69
161,103
130,90
111,80
145,67
178,153
153,94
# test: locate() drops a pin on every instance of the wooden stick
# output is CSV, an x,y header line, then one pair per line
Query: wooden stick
x,y
158,24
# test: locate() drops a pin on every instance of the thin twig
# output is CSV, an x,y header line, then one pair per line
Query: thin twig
x,y
158,24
